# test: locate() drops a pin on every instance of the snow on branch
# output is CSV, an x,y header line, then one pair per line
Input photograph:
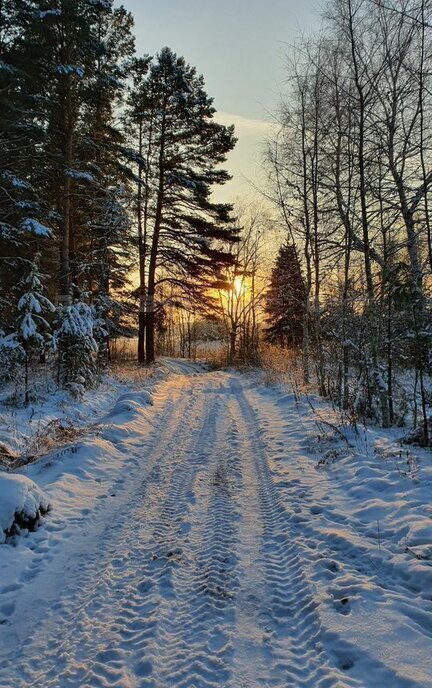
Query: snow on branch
x,y
49,13
34,227
79,176
70,69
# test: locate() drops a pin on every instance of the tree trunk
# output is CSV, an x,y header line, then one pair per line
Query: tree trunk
x,y
232,345
150,300
142,257
65,276
26,373
68,123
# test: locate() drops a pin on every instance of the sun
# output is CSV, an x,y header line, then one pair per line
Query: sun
x,y
239,286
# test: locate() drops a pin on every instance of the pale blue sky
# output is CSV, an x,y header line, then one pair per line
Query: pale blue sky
x,y
239,47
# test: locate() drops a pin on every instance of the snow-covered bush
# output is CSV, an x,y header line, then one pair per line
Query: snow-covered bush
x,y
22,504
77,347
11,356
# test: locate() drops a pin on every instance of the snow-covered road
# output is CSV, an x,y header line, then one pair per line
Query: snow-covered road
x,y
203,561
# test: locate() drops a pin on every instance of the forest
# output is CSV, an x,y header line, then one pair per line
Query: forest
x,y
109,228
108,162
215,408
351,172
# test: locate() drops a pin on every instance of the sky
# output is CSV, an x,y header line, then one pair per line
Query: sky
x,y
240,47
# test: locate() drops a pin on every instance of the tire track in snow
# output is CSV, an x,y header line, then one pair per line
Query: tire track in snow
x,y
250,635
356,568
295,654
197,648
80,619
153,554
171,529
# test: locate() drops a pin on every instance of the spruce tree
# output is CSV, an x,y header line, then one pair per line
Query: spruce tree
x,y
76,340
33,327
285,300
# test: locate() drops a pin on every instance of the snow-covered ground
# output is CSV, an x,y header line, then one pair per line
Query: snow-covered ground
x,y
25,430
212,531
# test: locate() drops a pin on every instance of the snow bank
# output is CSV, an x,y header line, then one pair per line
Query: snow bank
x,y
26,430
128,403
361,502
22,504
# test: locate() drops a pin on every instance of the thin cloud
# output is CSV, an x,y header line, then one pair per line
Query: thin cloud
x,y
245,125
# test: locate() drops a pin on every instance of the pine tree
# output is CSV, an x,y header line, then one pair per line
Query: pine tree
x,y
139,128
184,150
62,43
103,240
24,219
82,48
285,300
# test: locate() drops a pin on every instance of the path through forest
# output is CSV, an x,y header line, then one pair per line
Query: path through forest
x,y
203,566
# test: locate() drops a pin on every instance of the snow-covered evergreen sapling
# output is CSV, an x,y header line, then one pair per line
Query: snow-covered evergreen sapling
x,y
33,328
76,338
11,355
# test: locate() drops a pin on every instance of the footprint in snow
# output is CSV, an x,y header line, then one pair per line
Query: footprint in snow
x,y
6,611
342,606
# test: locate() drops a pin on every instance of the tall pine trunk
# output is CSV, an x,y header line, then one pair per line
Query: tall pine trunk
x,y
150,301
68,132
142,258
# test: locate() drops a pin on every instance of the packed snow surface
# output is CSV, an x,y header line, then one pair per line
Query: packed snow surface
x,y
213,533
